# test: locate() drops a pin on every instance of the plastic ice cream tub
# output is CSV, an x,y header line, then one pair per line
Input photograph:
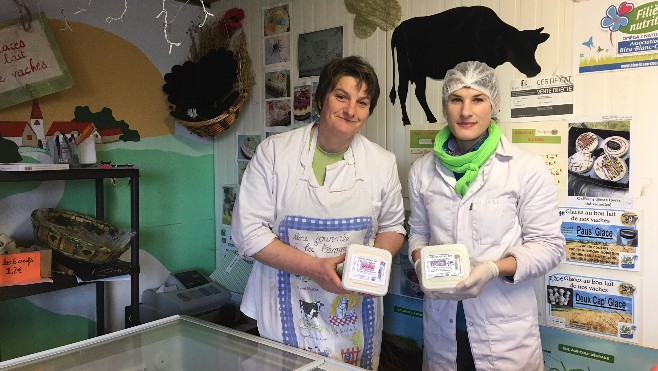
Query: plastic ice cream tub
x,y
367,269
443,266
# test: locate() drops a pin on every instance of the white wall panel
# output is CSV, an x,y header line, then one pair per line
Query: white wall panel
x,y
629,92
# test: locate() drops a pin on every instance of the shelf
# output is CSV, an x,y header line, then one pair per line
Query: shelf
x,y
60,281
69,174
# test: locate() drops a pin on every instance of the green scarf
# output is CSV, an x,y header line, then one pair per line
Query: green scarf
x,y
468,163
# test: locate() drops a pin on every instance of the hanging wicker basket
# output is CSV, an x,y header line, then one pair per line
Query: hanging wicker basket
x,y
209,40
216,125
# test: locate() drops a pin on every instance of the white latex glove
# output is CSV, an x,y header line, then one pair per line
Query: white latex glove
x,y
471,286
419,272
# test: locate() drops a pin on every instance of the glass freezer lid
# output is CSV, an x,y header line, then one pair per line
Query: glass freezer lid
x,y
174,343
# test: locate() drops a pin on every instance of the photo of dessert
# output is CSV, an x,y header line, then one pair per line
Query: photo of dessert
x,y
278,112
599,159
247,145
277,84
302,103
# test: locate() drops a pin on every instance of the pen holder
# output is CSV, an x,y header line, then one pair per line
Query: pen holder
x,y
87,152
64,150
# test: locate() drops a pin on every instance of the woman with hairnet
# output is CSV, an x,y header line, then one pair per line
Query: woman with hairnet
x,y
479,190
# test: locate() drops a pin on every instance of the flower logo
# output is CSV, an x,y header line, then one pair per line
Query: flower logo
x,y
615,18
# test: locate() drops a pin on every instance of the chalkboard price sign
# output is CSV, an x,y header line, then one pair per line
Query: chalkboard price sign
x,y
31,64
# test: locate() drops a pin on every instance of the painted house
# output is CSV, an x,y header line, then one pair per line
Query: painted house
x,y
19,132
69,128
25,133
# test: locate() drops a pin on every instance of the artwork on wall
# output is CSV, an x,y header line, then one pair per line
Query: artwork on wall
x,y
278,112
33,65
371,14
246,147
277,84
302,104
277,49
276,20
429,46
315,49
230,193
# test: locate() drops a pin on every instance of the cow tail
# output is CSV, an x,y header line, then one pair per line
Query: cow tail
x,y
392,94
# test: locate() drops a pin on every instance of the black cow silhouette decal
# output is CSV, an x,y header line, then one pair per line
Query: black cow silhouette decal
x,y
430,46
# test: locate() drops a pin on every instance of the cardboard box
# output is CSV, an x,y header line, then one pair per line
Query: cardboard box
x,y
27,267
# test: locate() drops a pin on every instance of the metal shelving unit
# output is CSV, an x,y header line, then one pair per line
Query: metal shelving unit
x,y
62,281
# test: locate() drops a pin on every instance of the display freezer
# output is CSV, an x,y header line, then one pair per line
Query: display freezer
x,y
175,343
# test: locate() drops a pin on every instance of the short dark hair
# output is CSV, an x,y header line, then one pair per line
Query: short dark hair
x,y
353,66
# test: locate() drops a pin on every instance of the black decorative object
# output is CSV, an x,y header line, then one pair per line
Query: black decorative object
x,y
202,90
430,46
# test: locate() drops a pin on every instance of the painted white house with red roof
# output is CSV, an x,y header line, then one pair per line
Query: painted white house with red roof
x,y
69,128
32,134
26,133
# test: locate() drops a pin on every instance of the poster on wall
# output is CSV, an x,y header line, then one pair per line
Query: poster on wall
x,y
600,170
277,49
614,35
230,194
596,305
545,140
302,104
566,350
316,49
232,271
276,20
601,238
277,84
246,148
32,63
421,141
541,98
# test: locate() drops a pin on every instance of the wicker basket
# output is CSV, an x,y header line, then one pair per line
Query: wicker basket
x,y
214,126
63,230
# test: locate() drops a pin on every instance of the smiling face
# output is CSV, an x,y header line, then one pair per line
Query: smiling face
x,y
344,111
469,114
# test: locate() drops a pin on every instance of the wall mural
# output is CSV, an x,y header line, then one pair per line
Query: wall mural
x,y
31,132
429,46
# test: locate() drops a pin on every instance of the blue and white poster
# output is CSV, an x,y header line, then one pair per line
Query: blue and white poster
x,y
601,238
595,305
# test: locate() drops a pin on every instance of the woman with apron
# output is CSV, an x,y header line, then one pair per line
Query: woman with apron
x,y
306,195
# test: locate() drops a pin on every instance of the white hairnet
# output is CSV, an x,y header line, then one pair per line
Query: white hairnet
x,y
475,75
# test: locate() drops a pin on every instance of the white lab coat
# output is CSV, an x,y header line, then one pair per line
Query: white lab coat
x,y
510,209
360,198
